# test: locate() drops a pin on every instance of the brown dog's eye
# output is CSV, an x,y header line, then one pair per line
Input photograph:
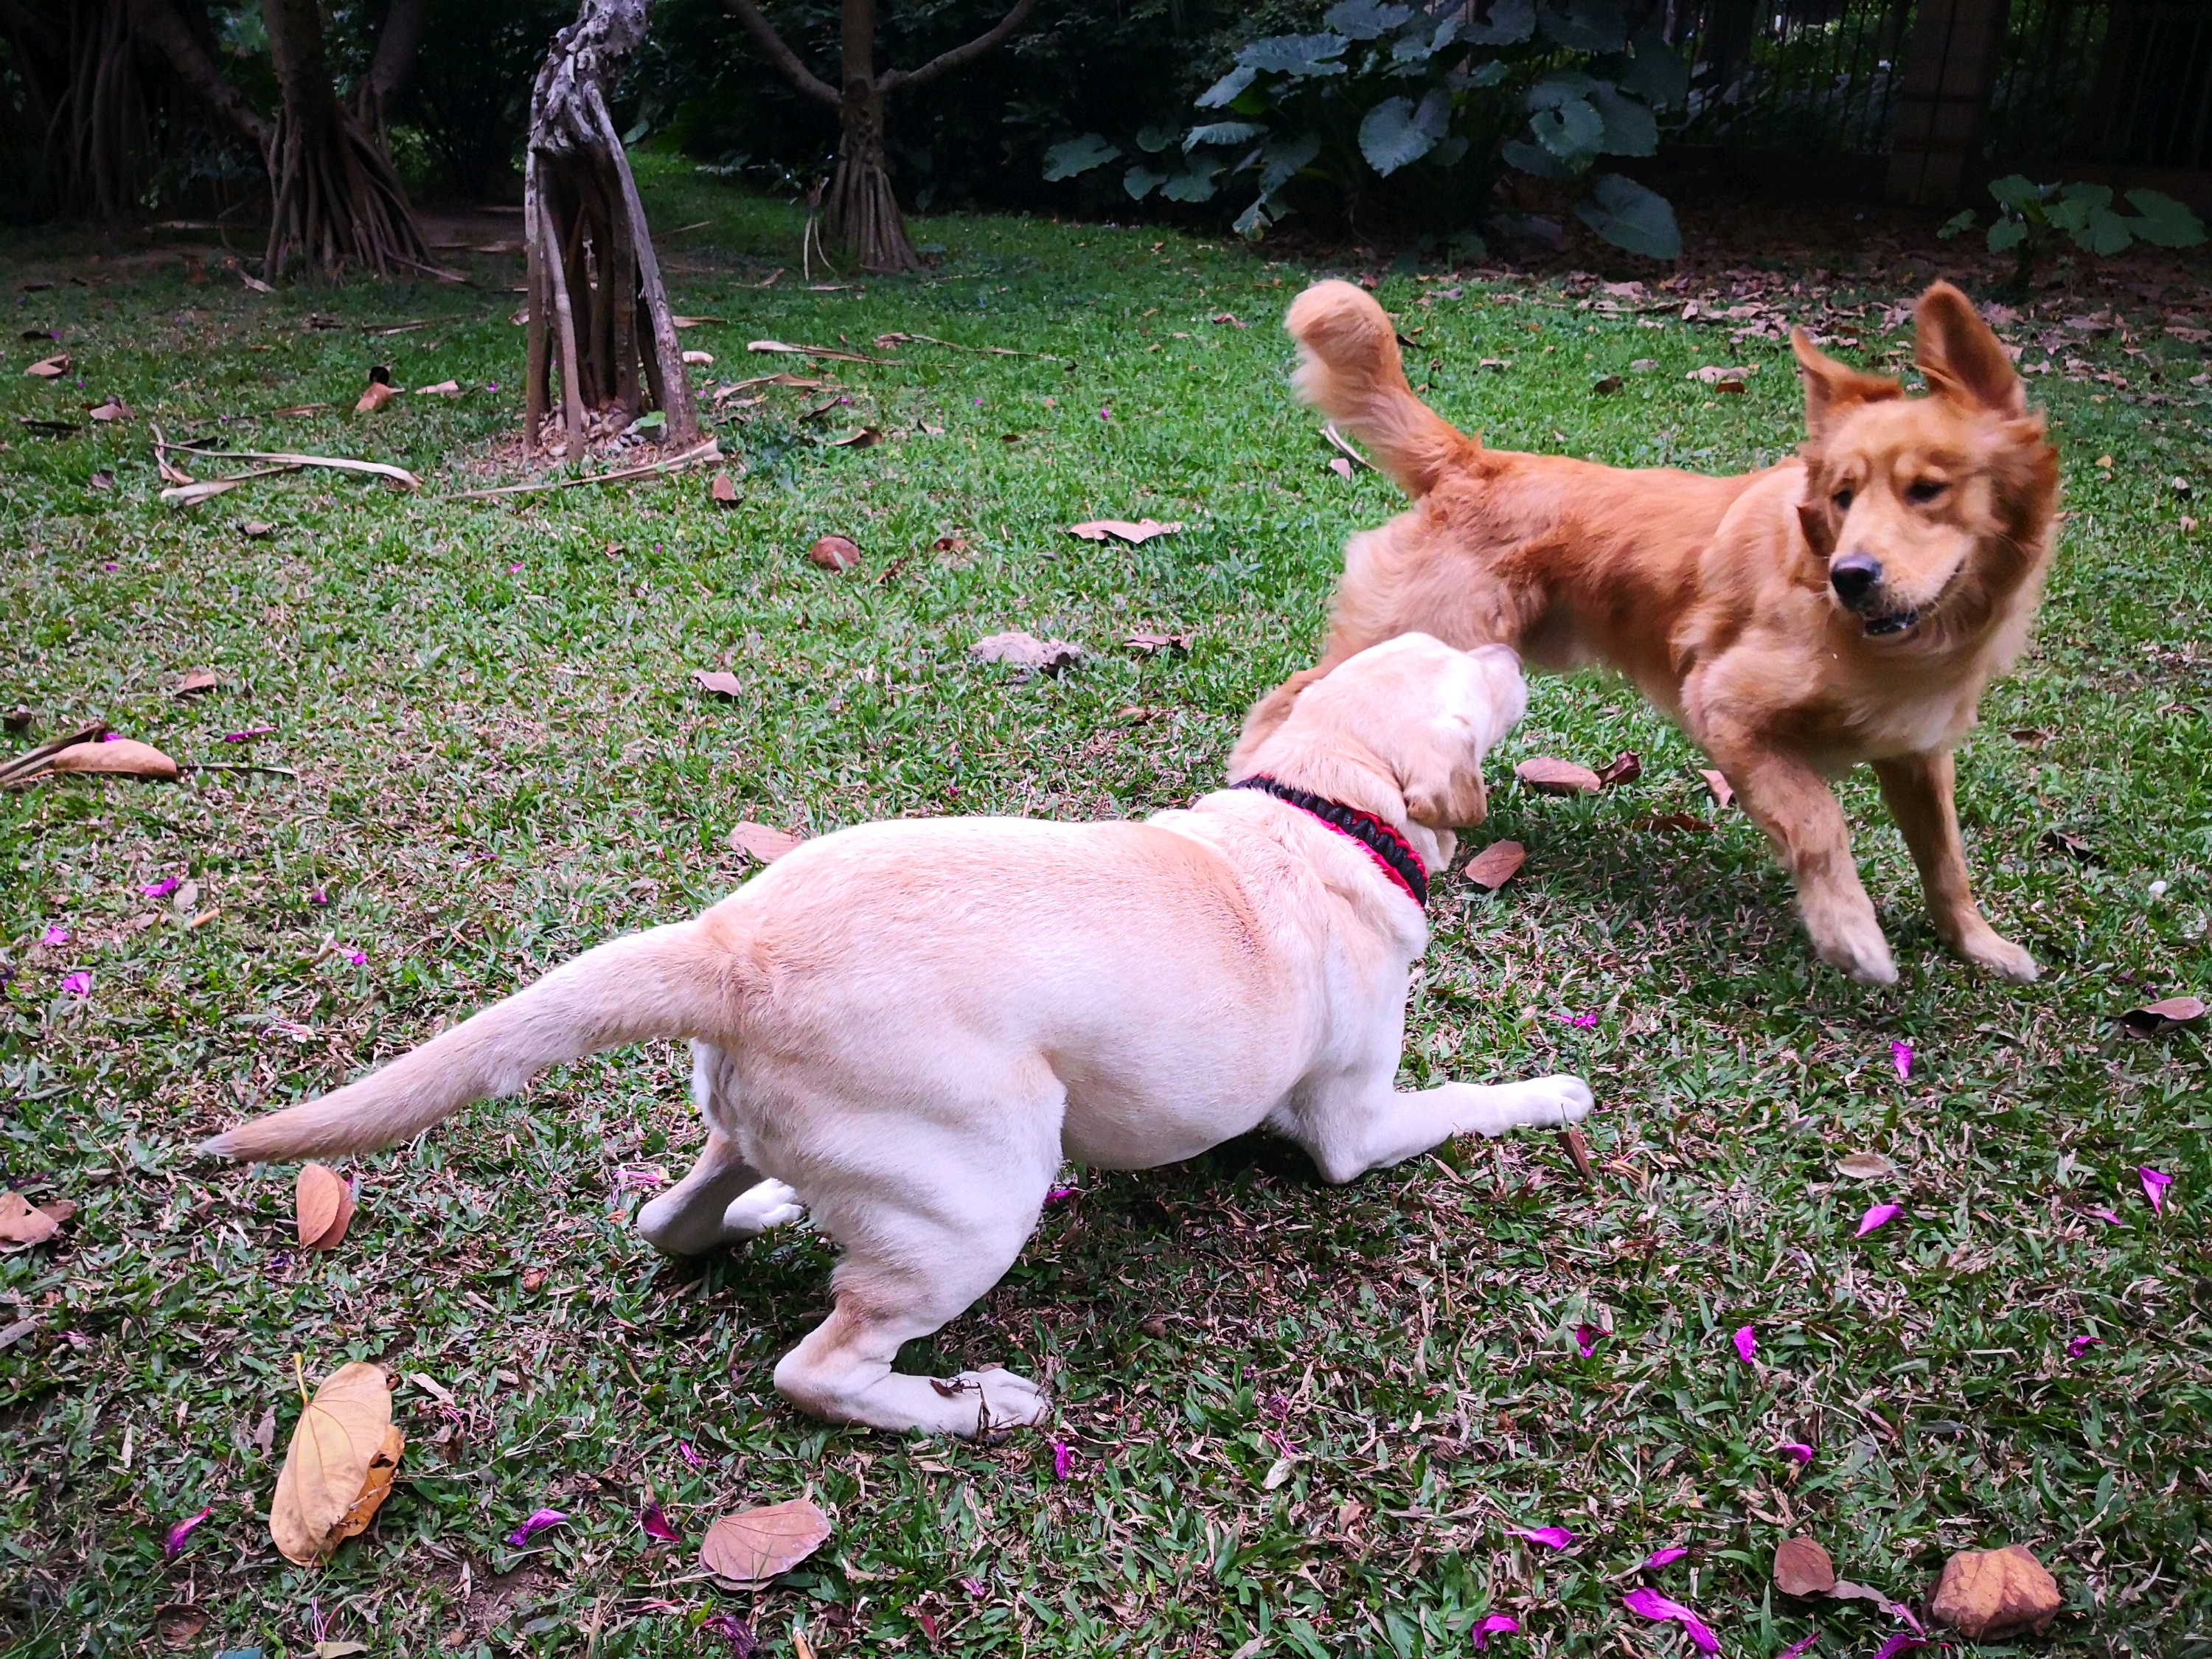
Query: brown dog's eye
x,y
1843,501
1922,491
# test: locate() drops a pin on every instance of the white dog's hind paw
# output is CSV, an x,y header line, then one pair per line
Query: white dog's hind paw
x,y
756,1209
1000,1400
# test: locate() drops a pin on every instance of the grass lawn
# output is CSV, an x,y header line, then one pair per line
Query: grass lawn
x,y
1302,1420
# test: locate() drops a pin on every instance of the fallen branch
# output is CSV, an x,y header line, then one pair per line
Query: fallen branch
x,y
1337,441
398,474
888,341
191,495
709,451
814,351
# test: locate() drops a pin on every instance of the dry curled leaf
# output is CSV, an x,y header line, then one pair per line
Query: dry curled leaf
x,y
196,680
719,681
178,1622
757,841
322,1206
722,492
2157,1018
1152,644
23,1223
1722,794
2058,840
836,553
1865,1166
380,394
1496,864
256,529
1607,385
1625,768
341,1452
111,408
117,757
699,359
1802,1567
52,368
1986,1593
1027,650
1721,377
753,1546
1136,534
865,438
1549,776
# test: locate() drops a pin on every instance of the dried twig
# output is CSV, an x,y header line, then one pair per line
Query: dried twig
x,y
831,352
398,474
709,451
901,338
1338,440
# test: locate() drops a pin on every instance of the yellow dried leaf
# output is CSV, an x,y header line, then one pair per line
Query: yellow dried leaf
x,y
322,1203
119,757
340,1433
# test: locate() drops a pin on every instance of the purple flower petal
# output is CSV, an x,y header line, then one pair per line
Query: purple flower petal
x,y
538,1521
1552,1538
1647,1603
1061,1194
1798,1646
2154,1184
1796,1449
248,734
318,897
1877,1215
163,888
1063,1459
515,570
1660,1557
690,1454
78,984
655,1523
1746,1343
2110,1218
55,934
2081,1345
1900,1643
359,958
173,1541
1900,1056
734,1631
1587,1337
1497,1624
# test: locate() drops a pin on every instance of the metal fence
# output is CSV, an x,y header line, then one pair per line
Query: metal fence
x,y
2115,82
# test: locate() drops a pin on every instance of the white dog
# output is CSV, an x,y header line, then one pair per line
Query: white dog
x,y
906,1027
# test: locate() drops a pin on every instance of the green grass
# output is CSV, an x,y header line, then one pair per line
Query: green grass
x,y
499,767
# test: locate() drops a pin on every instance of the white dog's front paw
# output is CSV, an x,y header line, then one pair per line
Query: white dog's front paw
x,y
756,1209
1558,1100
1008,1401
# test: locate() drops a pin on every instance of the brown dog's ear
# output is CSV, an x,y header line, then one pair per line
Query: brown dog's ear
x,y
1445,792
1832,388
1964,361
1818,520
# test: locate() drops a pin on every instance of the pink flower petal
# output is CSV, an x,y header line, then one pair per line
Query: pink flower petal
x,y
2110,1218
1497,1624
1798,1647
78,984
161,889
1878,1215
538,1521
1746,1343
2154,1184
1900,1643
1063,1459
690,1454
1061,1194
1796,1449
173,1541
359,958
1647,1603
1660,1557
2081,1345
734,1631
1587,1337
1552,1538
1900,1056
248,735
55,934
515,570
318,897
655,1523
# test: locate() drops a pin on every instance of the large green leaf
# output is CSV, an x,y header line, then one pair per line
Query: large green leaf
x,y
1554,90
1365,19
1658,74
2016,192
2006,235
1573,130
1284,159
1390,136
1584,25
1295,54
1228,88
1628,215
1155,137
1141,181
1221,132
2164,222
1533,158
2105,233
1630,128
1194,184
1511,22
1064,160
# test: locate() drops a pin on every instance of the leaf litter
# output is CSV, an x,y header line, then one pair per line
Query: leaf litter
x,y
749,1549
338,1466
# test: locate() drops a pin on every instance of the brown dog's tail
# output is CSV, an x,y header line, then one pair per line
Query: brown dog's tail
x,y
1350,370
667,983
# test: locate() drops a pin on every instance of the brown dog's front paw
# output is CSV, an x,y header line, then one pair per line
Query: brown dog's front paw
x,y
1991,949
1854,946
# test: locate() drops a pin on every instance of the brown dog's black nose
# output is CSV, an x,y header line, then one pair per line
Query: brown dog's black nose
x,y
1853,576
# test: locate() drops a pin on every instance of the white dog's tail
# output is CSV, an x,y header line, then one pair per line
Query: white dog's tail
x,y
1350,370
667,982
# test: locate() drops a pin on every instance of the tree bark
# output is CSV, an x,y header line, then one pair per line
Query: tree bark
x,y
598,312
157,22
396,50
862,216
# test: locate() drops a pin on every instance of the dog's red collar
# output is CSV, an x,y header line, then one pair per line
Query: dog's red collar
x,y
1383,843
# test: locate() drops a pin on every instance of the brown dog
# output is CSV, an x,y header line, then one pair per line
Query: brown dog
x,y
1846,607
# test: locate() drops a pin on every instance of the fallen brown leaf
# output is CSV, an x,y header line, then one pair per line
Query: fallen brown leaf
x,y
1578,1152
1802,1567
1986,1593
1549,776
1496,864
1341,467
836,553
1223,317
1136,534
256,529
2157,1018
1865,1166
1027,650
112,408
865,437
51,369
118,758
722,492
330,1467
754,1545
101,479
24,1225
264,1431
2057,841
1718,785
719,681
1608,385
955,543
758,841
1152,644
322,1206
380,394
178,1622
1625,768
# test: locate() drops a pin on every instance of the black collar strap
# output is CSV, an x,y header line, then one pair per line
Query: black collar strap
x,y
1384,844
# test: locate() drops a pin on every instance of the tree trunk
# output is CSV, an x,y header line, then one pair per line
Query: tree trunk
x,y
396,50
861,217
597,311
336,200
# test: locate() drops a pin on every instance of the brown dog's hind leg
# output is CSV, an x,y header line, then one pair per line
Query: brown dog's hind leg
x,y
1920,791
1801,816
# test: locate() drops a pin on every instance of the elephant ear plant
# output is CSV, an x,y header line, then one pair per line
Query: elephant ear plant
x,y
2032,217
1422,106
